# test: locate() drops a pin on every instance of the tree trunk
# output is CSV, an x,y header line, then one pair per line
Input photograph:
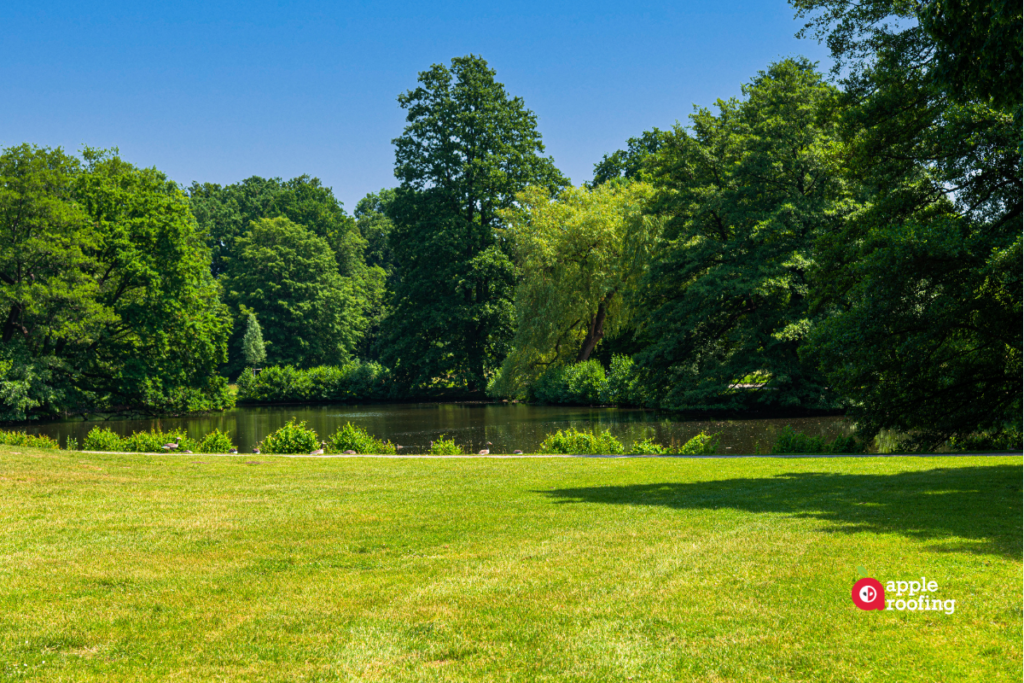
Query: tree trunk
x,y
595,332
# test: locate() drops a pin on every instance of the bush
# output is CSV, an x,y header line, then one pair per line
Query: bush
x,y
353,438
579,383
622,386
28,440
101,439
354,381
445,447
648,447
574,442
790,441
702,444
292,438
215,442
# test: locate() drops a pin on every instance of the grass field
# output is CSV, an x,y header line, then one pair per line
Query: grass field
x,y
202,568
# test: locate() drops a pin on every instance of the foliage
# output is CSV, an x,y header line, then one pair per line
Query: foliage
x,y
1009,438
648,447
574,442
215,442
353,381
580,256
702,444
791,441
14,438
105,290
467,150
442,446
376,227
227,215
153,441
287,276
744,194
291,438
923,286
353,438
621,386
253,349
578,383
629,163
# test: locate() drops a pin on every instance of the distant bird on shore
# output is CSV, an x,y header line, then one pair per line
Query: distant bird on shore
x,y
319,451
232,451
172,446
517,452
256,451
484,452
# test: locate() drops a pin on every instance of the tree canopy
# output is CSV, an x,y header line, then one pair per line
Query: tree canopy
x,y
466,152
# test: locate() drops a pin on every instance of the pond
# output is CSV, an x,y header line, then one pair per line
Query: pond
x,y
502,428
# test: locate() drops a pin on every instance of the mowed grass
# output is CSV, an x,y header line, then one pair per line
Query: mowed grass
x,y
203,568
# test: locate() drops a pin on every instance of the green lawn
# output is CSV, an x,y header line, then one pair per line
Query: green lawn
x,y
192,567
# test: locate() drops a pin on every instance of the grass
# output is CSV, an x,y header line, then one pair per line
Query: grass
x,y
259,568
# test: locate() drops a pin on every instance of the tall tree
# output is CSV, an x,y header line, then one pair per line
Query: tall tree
x,y
253,348
287,276
466,152
629,163
744,194
105,286
924,285
580,257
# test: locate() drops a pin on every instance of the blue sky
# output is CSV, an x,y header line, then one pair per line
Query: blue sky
x,y
220,91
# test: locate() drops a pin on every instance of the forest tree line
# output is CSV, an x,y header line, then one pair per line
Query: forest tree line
x,y
845,241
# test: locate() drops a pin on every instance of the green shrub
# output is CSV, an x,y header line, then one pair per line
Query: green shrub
x,y
1006,439
101,439
648,447
445,447
574,442
28,440
353,381
622,387
790,441
353,438
215,442
292,438
702,444
153,441
579,384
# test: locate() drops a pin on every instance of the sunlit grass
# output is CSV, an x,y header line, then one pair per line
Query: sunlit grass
x,y
196,568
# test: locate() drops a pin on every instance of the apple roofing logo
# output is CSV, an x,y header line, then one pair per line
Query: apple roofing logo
x,y
869,594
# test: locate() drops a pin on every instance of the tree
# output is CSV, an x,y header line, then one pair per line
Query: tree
x,y
287,276
227,214
580,257
105,289
630,162
744,194
466,152
923,286
253,348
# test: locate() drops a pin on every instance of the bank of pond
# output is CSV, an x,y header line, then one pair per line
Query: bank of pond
x,y
295,437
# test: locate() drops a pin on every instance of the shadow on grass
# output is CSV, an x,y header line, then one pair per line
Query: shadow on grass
x,y
981,505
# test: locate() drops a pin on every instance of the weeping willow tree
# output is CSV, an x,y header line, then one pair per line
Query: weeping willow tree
x,y
580,256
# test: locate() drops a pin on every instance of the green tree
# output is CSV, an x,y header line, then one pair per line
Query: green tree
x,y
629,163
253,348
375,227
923,286
227,214
105,289
580,257
287,276
466,152
744,194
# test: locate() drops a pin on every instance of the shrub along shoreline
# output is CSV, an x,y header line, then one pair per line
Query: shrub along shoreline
x,y
296,438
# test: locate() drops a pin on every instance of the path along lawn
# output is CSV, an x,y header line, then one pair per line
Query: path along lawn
x,y
200,568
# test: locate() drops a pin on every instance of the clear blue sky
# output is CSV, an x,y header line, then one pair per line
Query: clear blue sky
x,y
220,91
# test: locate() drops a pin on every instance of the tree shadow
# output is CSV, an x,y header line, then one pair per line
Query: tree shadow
x,y
981,505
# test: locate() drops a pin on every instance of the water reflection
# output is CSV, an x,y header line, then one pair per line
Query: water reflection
x,y
501,428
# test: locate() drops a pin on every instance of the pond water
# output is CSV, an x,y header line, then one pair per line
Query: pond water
x,y
502,428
